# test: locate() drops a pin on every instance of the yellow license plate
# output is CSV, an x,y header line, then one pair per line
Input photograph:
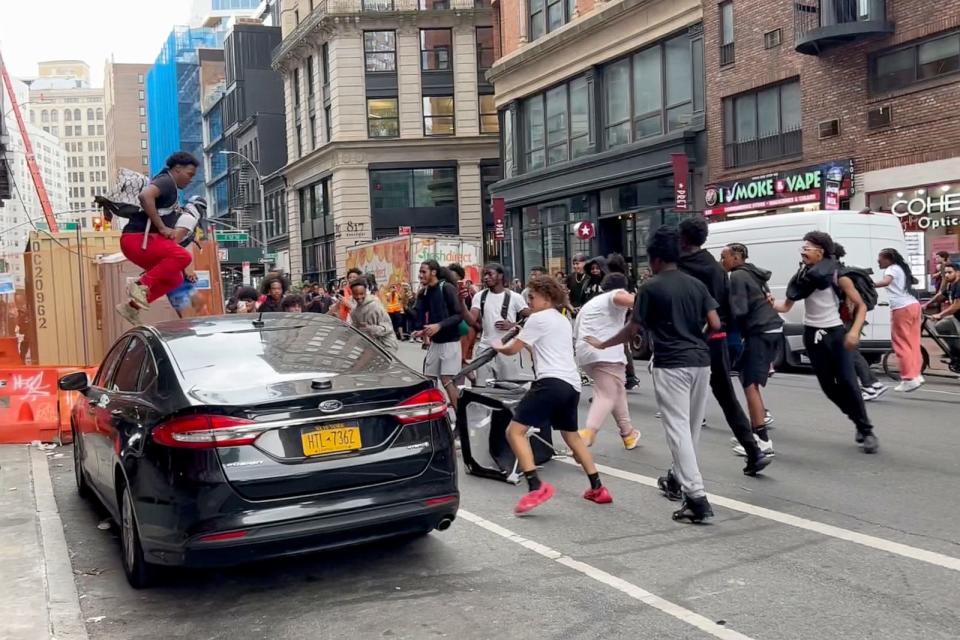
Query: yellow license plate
x,y
331,439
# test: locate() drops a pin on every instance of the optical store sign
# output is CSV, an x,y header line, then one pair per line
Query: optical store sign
x,y
824,184
931,212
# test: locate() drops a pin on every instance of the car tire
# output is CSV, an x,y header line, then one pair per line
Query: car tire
x,y
83,487
140,574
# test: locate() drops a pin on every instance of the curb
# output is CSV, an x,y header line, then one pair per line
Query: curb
x,y
63,604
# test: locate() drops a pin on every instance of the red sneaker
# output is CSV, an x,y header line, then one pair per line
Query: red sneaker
x,y
600,496
534,498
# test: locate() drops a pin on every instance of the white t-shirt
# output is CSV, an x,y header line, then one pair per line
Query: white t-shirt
x,y
897,290
821,309
600,318
550,336
492,307
187,221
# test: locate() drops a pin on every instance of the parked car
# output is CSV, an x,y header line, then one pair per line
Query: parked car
x,y
219,440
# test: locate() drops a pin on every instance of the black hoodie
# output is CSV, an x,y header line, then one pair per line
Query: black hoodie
x,y
591,288
705,268
749,307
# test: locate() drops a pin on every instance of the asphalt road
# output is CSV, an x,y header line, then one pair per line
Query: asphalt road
x,y
830,543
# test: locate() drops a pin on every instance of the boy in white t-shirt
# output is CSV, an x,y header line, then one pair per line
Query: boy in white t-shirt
x,y
554,397
495,311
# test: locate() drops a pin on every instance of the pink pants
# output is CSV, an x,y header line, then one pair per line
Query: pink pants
x,y
906,323
163,260
609,396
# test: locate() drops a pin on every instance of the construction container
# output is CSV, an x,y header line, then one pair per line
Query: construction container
x,y
62,285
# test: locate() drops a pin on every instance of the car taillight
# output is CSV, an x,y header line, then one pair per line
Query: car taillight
x,y
423,407
206,432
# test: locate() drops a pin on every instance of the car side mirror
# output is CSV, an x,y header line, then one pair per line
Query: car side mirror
x,y
76,381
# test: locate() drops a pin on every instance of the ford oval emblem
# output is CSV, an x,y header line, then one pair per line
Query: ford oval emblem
x,y
329,406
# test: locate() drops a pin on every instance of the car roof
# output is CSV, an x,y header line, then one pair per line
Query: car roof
x,y
208,325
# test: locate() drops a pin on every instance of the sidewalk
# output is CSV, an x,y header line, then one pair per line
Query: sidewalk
x,y
38,595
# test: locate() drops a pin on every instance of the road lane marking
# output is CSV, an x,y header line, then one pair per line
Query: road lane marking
x,y
914,553
628,588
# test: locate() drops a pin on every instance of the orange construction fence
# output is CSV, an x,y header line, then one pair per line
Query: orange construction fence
x,y
32,407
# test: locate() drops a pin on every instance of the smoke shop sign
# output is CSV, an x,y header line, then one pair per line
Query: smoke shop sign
x,y
932,212
781,189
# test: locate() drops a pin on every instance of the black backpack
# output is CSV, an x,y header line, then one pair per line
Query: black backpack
x,y
504,310
863,282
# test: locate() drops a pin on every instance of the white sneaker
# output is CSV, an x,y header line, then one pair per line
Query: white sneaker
x,y
767,418
907,386
765,447
128,313
138,293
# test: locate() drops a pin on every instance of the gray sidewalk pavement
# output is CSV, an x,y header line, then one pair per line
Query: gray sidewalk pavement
x,y
38,595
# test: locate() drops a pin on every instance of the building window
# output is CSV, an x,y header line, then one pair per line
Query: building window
x,y
67,115
53,115
438,116
44,116
99,114
313,132
140,94
436,46
89,114
91,129
299,141
143,111
489,121
424,198
925,60
325,63
326,124
296,87
726,34
383,118
534,141
315,201
762,125
100,130
143,144
140,78
143,127
557,123
549,15
485,56
310,78
380,50
76,115
651,92
434,5
772,39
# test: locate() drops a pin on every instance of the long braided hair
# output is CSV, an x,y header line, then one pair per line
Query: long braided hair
x,y
894,256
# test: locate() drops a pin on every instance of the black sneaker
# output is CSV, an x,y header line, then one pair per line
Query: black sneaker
x,y
631,384
870,443
756,466
695,510
670,487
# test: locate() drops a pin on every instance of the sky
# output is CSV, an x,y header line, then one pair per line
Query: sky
x,y
90,30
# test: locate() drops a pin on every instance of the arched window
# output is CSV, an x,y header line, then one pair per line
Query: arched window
x,y
54,114
44,116
67,115
99,114
76,114
89,114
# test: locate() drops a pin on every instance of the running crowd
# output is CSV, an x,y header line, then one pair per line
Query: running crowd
x,y
695,311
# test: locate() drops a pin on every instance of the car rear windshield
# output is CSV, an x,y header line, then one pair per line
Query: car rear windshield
x,y
291,348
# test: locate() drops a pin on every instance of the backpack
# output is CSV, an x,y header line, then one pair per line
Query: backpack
x,y
862,280
123,201
504,310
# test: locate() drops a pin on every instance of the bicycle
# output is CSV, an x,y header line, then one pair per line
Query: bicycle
x,y
891,364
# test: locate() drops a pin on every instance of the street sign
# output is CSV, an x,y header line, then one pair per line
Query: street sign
x,y
404,231
584,230
232,236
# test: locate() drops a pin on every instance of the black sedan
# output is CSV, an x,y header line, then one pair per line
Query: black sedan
x,y
219,440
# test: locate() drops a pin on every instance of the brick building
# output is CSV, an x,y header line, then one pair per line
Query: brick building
x,y
595,99
836,104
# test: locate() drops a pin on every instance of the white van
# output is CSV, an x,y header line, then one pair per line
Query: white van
x,y
774,244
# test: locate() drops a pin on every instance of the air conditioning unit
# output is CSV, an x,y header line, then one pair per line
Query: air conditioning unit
x,y
879,117
829,128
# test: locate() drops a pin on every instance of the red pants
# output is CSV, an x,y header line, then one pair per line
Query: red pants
x,y
905,330
163,260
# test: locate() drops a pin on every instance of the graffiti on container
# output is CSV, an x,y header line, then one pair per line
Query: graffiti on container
x,y
31,387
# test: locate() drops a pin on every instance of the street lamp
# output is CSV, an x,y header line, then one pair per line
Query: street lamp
x,y
263,206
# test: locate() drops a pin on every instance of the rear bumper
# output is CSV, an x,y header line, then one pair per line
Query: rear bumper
x,y
307,535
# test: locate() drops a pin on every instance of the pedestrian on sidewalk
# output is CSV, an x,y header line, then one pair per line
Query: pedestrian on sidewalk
x,y
496,310
602,318
292,303
271,300
394,308
369,316
674,307
828,343
906,317
438,312
554,397
149,239
576,281
700,263
761,329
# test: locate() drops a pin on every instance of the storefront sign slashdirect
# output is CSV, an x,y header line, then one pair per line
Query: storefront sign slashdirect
x,y
812,184
932,212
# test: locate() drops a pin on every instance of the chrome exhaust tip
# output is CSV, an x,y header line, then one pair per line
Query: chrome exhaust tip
x,y
444,524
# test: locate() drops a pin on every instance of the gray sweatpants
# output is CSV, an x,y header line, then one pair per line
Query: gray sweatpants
x,y
682,399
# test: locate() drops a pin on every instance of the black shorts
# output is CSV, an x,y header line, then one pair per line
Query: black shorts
x,y
759,352
551,402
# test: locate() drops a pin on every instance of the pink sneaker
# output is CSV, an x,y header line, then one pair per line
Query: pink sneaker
x,y
600,496
534,498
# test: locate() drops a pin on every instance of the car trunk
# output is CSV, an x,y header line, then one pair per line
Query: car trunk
x,y
331,440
